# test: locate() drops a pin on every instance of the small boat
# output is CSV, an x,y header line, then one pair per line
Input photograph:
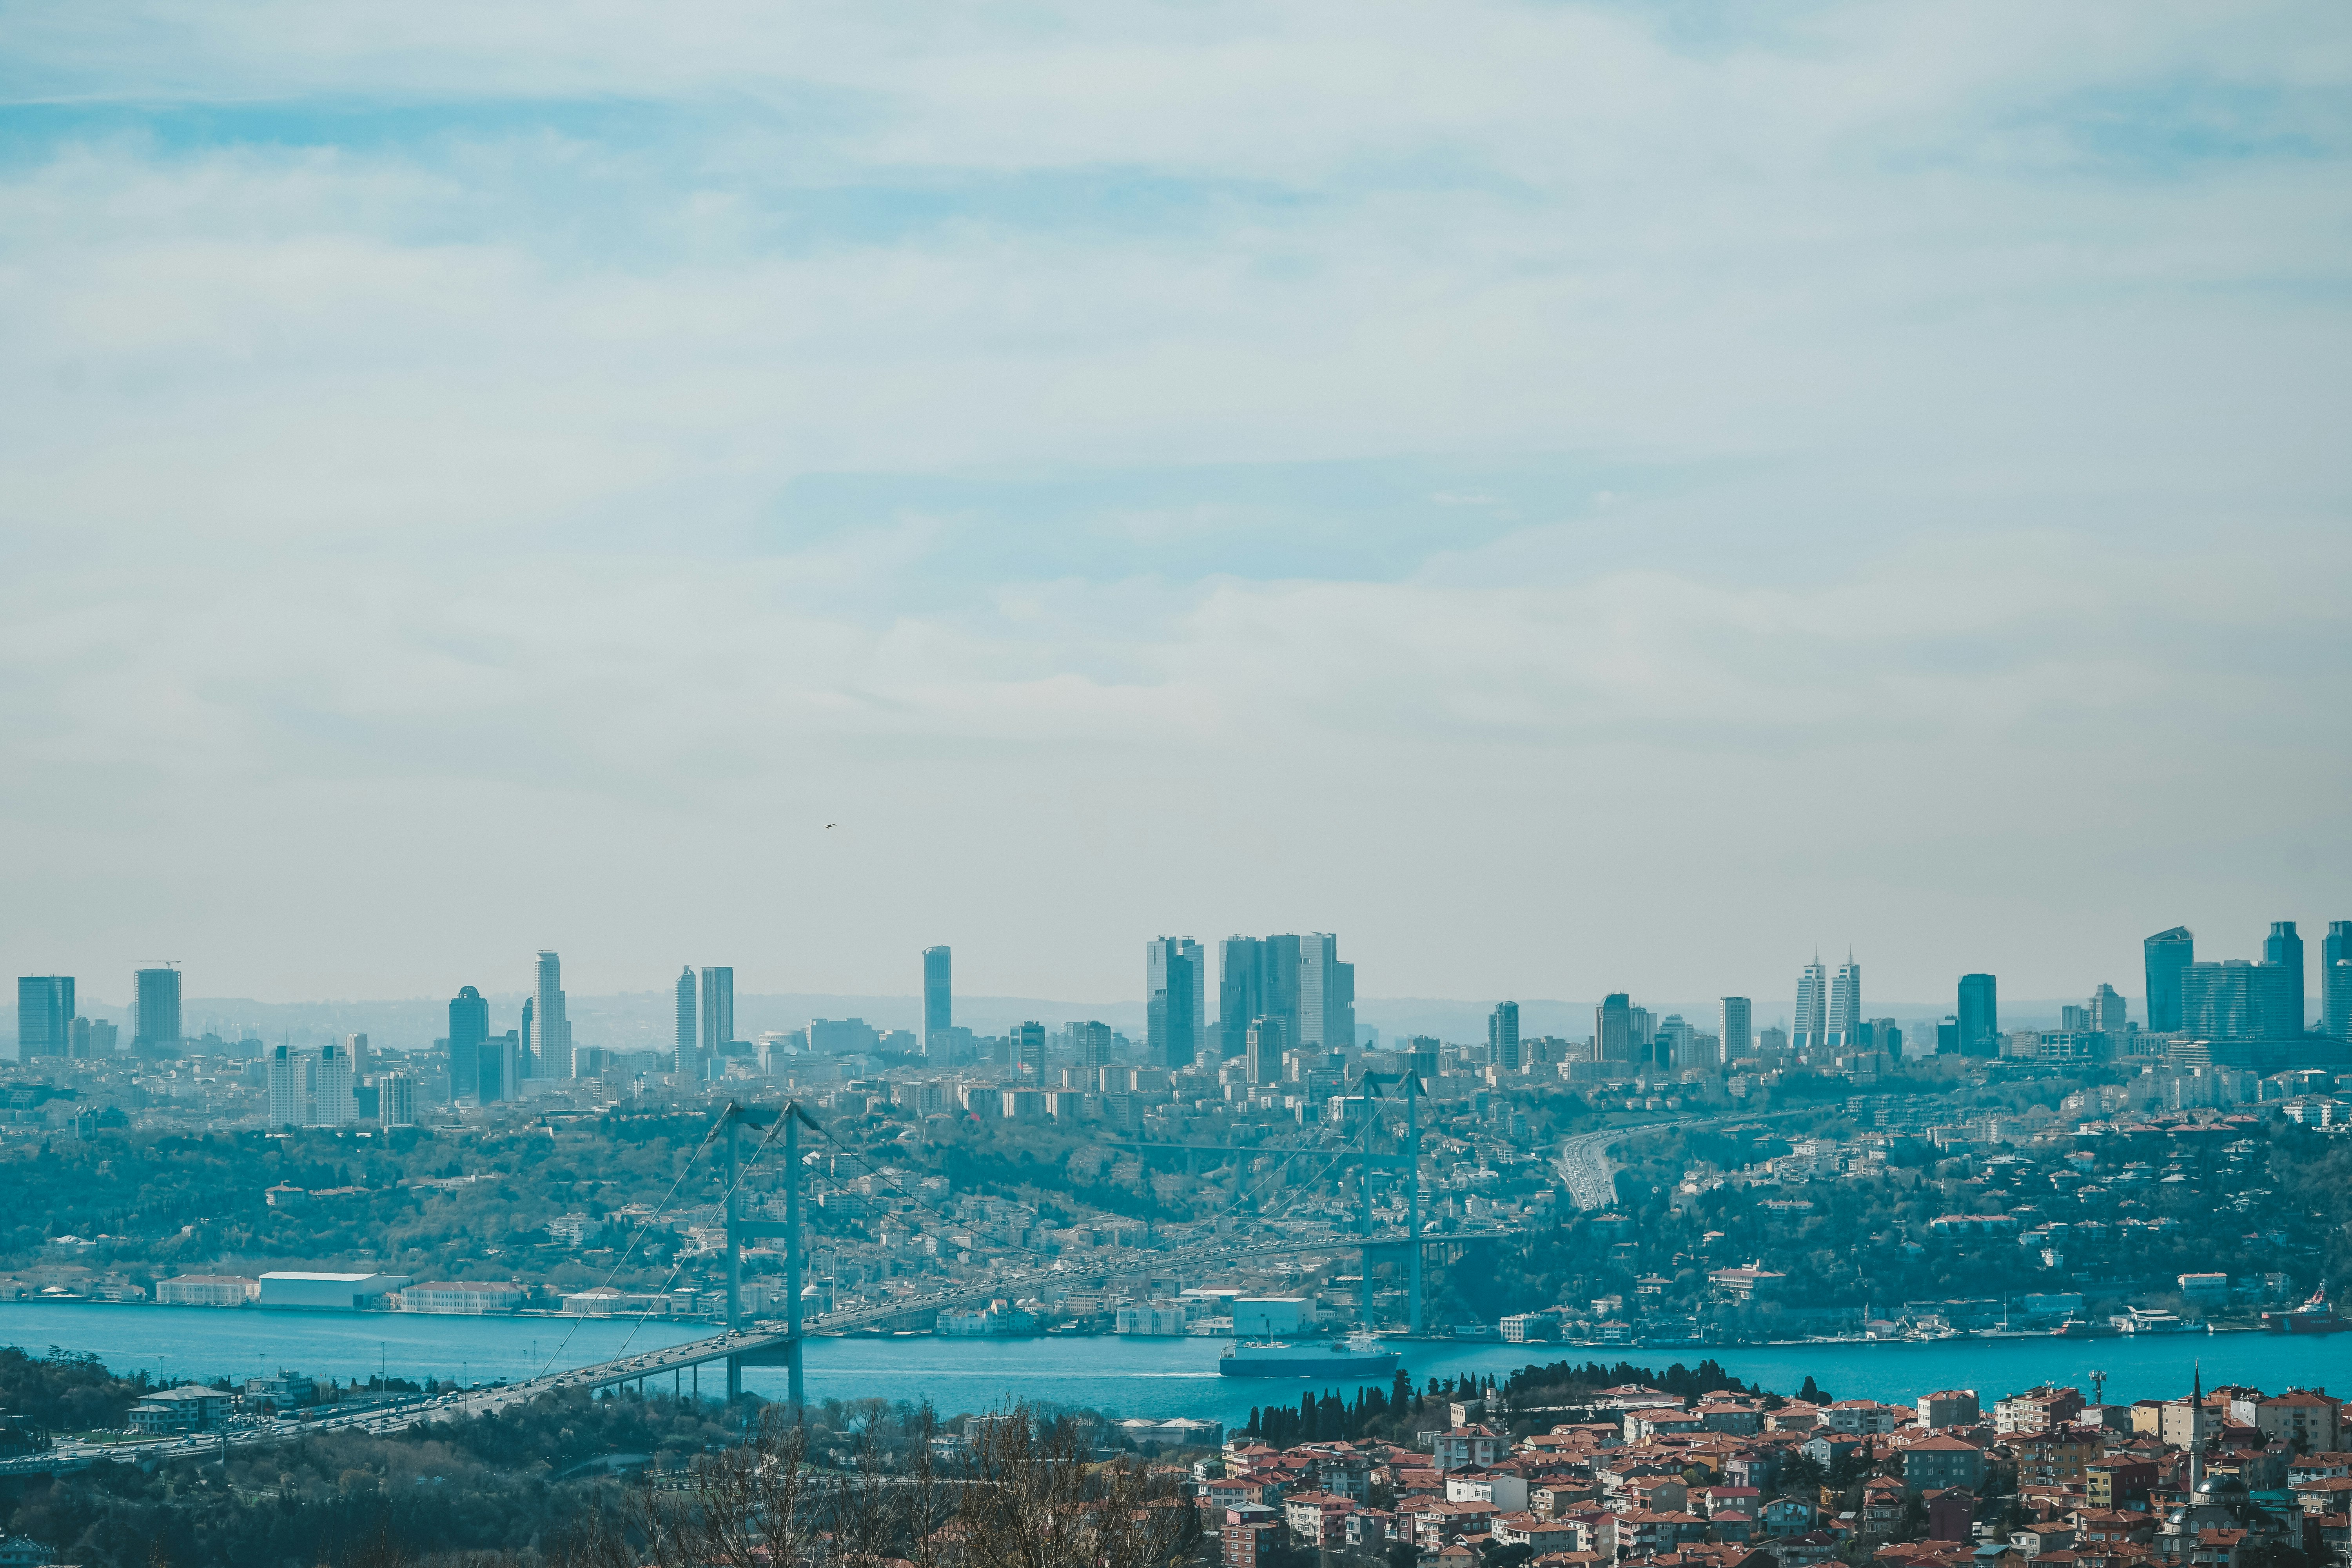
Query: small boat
x,y
1359,1357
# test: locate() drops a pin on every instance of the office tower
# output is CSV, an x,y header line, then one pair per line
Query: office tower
x,y
1029,1050
1241,991
102,1034
1810,1030
1171,977
356,1047
1886,1035
1771,1041
2236,1000
1738,1028
330,1088
395,1100
156,997
1672,1047
939,997
2284,948
1327,994
1846,1007
45,1015
1503,1036
1282,954
1980,1016
526,1064
469,1025
553,1056
1091,1041
1262,1043
2335,980
1948,1035
2106,1010
289,1080
494,1073
2168,952
682,1053
718,1016
77,1040
1612,1028
2073,1020
1645,1032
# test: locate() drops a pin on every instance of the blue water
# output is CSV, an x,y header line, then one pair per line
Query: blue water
x,y
1158,1378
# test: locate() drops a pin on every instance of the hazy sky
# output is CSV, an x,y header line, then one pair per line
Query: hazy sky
x,y
1569,497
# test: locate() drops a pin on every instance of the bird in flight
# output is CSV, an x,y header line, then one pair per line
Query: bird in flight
x,y
831,826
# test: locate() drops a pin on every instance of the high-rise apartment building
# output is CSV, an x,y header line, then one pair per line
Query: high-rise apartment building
x,y
395,1100
552,1054
469,1025
1327,994
1263,1045
1029,1050
1503,1036
938,999
356,1047
155,998
331,1104
2284,948
1846,1020
686,1038
1980,1016
1736,1018
2106,1010
1612,1028
1171,979
2335,980
288,1077
2168,952
718,1016
1808,1031
45,1015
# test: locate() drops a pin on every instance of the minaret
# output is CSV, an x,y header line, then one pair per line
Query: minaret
x,y
2196,1428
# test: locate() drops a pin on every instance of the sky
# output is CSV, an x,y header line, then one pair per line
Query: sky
x,y
1569,496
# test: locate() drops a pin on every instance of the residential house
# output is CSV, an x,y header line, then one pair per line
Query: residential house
x,y
1943,1460
1786,1516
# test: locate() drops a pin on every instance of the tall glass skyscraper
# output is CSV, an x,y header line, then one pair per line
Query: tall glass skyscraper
x,y
1846,1020
1241,991
1503,1036
155,995
1980,1016
2335,979
469,1025
1737,1018
1612,1028
2284,948
45,1015
1809,1030
1327,994
682,1052
2168,952
939,997
553,1027
1173,980
718,1014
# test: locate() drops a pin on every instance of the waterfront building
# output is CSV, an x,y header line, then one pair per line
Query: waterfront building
x,y
1503,1036
938,999
207,1290
45,1015
155,998
464,1298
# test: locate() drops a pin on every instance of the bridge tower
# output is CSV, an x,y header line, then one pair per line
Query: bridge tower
x,y
1408,1085
733,1119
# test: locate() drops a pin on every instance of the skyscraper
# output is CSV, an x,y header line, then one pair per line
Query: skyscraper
x,y
2284,948
681,1056
1846,1020
156,997
1263,1042
1091,1040
718,1016
45,1015
525,1063
2235,1000
1980,1016
469,1025
494,1075
1241,991
330,1088
1612,1028
1171,977
939,998
1327,994
395,1100
2106,1010
1739,1028
288,1080
1029,1050
356,1046
2168,952
1503,1036
1808,1031
2335,979
554,1026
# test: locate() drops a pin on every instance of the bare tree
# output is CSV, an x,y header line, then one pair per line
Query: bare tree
x,y
1035,1499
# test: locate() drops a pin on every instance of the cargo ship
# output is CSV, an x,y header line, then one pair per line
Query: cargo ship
x,y
2314,1317
1358,1358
